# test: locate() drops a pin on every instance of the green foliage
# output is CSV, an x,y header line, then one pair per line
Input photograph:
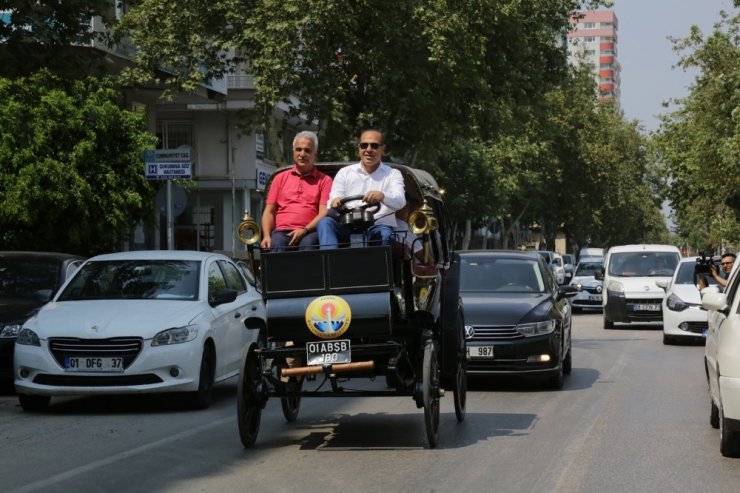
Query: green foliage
x,y
50,34
699,142
71,174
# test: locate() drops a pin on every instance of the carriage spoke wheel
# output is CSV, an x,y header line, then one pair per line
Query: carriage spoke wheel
x,y
460,391
430,392
291,404
248,400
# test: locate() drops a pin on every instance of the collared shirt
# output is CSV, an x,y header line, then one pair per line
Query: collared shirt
x,y
353,180
297,197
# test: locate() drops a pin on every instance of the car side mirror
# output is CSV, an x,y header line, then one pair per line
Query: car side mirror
x,y
567,291
599,275
223,296
662,283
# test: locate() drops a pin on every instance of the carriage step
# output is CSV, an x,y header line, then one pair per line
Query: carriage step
x,y
336,368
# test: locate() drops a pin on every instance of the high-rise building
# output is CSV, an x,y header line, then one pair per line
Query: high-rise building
x,y
594,41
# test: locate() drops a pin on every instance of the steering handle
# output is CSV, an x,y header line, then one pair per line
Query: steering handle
x,y
375,205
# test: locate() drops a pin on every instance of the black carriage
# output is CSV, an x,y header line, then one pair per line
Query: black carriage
x,y
360,312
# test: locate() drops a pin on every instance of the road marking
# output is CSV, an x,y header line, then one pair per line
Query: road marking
x,y
46,484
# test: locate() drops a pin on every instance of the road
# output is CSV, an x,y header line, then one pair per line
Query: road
x,y
633,416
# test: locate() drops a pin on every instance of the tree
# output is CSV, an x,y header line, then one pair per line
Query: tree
x,y
50,34
699,142
71,175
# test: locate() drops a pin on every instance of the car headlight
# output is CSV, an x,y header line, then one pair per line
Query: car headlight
x,y
28,337
175,335
616,287
10,331
676,304
536,329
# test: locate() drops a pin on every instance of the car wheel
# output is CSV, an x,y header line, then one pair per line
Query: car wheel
x,y
608,324
202,398
430,393
729,440
568,362
713,415
34,403
555,381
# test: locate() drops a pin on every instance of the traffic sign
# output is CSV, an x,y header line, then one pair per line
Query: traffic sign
x,y
167,171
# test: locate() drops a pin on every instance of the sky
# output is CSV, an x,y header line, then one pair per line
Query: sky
x,y
646,54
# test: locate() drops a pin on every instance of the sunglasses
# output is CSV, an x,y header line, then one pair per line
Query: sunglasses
x,y
374,145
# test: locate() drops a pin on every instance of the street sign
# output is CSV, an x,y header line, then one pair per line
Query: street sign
x,y
177,155
167,171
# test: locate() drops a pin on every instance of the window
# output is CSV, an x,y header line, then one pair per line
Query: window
x,y
174,134
590,52
233,279
606,39
589,25
216,281
589,39
607,66
607,79
606,24
607,52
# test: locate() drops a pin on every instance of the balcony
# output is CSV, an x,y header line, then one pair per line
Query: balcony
x,y
243,81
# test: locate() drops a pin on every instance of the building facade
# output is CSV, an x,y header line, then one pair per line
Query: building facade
x,y
593,40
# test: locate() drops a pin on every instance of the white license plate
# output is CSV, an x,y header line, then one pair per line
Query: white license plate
x,y
93,363
328,352
644,307
595,297
480,352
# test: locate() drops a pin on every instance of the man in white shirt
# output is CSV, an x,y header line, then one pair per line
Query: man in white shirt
x,y
376,182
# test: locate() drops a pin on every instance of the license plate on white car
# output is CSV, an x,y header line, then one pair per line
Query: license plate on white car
x,y
595,297
479,352
645,307
93,363
328,352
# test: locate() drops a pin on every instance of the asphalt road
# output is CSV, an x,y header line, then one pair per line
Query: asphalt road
x,y
632,417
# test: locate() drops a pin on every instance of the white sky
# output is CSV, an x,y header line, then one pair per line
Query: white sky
x,y
647,56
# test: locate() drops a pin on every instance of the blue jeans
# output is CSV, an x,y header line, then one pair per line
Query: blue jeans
x,y
279,240
332,234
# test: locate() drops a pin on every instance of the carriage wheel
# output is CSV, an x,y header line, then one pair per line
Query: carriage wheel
x,y
460,390
248,405
291,404
430,384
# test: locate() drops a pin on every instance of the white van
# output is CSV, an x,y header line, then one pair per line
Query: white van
x,y
629,279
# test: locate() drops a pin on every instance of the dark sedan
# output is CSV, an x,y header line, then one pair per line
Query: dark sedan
x,y
27,281
517,319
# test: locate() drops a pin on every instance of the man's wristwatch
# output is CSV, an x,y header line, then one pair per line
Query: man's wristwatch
x,y
306,230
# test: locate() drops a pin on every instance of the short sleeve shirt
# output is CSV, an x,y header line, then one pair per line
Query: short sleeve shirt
x,y
297,197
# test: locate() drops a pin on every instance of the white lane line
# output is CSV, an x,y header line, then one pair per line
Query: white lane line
x,y
44,484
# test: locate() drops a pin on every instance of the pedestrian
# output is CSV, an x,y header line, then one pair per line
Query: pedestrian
x,y
376,182
296,200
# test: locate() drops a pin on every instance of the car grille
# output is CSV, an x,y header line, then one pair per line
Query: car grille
x,y
96,381
127,348
496,333
592,290
696,327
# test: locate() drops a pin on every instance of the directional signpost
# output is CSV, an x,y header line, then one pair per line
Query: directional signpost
x,y
168,164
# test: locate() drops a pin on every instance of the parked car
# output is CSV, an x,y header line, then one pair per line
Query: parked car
x,y
518,320
590,252
684,317
722,361
629,275
589,295
27,281
569,265
555,262
139,322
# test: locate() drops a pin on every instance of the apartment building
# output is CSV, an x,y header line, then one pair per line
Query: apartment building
x,y
593,40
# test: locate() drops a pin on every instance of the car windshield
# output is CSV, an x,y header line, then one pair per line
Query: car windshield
x,y
643,264
134,279
685,274
28,278
501,275
568,259
588,268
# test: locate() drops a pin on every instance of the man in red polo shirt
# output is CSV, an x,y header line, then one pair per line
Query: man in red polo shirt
x,y
297,200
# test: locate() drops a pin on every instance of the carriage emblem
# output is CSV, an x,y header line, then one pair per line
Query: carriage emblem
x,y
328,316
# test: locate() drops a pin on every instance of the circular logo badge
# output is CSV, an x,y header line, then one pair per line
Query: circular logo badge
x,y
328,316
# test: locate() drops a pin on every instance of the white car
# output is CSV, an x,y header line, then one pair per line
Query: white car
x,y
589,288
139,322
722,361
629,275
683,315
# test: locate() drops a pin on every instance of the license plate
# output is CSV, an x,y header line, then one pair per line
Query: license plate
x,y
480,351
93,363
328,352
644,307
595,297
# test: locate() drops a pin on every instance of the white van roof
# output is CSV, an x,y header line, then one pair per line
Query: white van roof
x,y
644,248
